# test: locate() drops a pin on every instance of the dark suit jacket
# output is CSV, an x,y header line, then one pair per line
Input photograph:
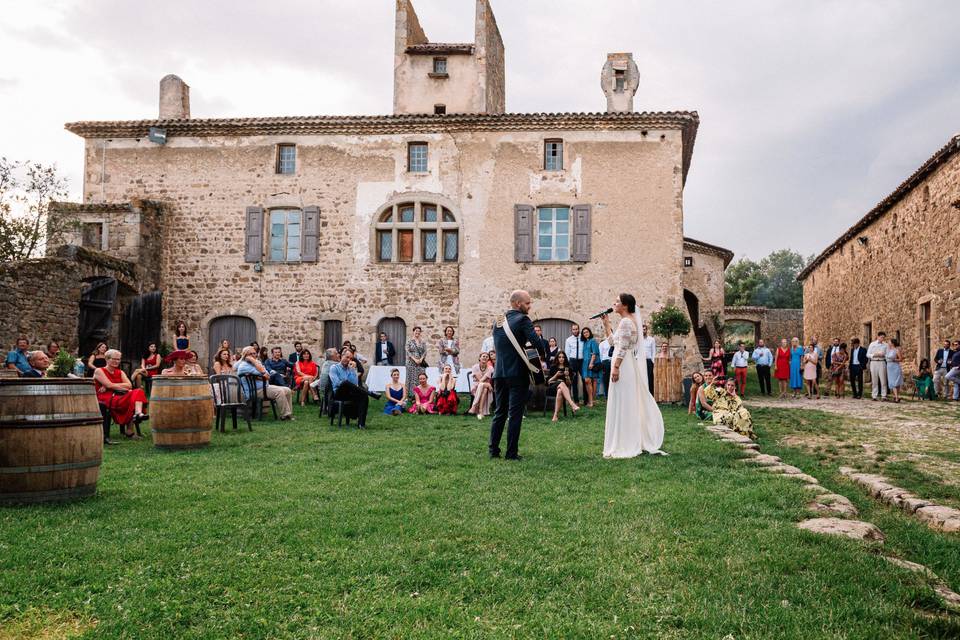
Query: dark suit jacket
x,y
377,357
943,355
32,373
510,368
861,356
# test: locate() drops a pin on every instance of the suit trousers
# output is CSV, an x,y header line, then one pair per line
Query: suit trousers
x,y
856,380
763,375
358,396
954,377
650,375
938,379
878,378
607,366
575,366
511,397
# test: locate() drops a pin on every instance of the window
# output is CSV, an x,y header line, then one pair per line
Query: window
x,y
867,332
440,66
285,235
553,234
417,232
93,235
286,159
417,157
688,261
620,79
439,109
553,155
925,332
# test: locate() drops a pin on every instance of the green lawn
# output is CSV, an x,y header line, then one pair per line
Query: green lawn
x,y
408,530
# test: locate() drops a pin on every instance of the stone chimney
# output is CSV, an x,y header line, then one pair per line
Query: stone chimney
x,y
174,98
619,81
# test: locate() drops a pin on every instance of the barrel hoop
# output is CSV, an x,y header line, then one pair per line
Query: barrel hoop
x,y
184,398
51,495
46,417
181,430
43,468
45,390
84,422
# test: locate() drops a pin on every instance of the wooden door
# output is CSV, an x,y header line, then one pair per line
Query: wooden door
x,y
239,330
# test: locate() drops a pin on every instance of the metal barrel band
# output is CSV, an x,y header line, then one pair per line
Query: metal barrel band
x,y
44,468
45,390
46,417
182,399
22,497
24,424
181,430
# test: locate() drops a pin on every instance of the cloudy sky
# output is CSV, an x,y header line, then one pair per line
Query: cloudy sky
x,y
811,112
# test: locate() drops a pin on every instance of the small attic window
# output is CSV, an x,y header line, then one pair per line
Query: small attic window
x,y
439,67
439,109
619,79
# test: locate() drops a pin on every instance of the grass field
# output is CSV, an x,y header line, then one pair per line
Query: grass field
x,y
408,530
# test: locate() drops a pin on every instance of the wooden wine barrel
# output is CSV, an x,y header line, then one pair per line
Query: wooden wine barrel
x,y
181,412
8,373
667,379
51,440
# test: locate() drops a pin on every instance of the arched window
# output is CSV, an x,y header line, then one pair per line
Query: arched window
x,y
417,231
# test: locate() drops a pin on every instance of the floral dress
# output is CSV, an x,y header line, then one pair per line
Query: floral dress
x,y
710,392
716,363
838,365
729,410
415,350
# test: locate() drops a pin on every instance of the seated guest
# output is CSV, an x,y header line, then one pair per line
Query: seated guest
x,y
193,364
178,361
149,365
115,391
98,358
295,356
17,357
345,383
53,348
223,365
305,373
278,393
39,361
235,357
561,378
697,381
728,409
924,380
706,396
320,385
446,402
481,386
385,352
278,367
396,395
664,351
423,396
358,359
263,355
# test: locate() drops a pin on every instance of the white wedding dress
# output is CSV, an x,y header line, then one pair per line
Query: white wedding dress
x,y
634,422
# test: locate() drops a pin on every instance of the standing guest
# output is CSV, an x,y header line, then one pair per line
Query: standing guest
x,y
223,365
941,361
574,350
552,350
894,368
115,391
606,362
53,348
706,396
542,344
385,351
396,395
225,344
810,361
858,362
740,363
181,340
193,364
281,394
838,369
481,386
17,357
716,360
149,365
590,370
449,350
39,361
294,357
279,368
423,396
98,358
924,380
728,410
649,350
763,359
819,351
560,380
796,367
954,374
782,373
446,401
831,350
305,373
320,385
877,355
696,382
416,358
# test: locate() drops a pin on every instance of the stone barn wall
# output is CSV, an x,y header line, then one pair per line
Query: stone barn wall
x,y
782,323
40,299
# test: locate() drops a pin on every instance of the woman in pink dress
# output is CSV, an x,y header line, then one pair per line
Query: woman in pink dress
x,y
423,396
810,372
481,386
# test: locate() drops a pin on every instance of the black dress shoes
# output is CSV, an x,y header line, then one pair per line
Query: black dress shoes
x,y
494,454
518,458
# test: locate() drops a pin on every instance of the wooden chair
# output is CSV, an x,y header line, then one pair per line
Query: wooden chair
x,y
257,396
228,397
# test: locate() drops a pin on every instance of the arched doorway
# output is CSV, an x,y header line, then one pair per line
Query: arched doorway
x,y
555,328
693,306
396,330
239,330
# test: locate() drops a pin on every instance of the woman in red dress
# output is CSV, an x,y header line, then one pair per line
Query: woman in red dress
x,y
716,360
116,393
149,365
447,392
305,372
782,372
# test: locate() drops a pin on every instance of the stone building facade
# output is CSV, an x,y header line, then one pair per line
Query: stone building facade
x,y
325,228
897,269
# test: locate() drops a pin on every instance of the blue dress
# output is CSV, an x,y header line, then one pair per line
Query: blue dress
x,y
796,368
894,370
590,348
393,400
183,343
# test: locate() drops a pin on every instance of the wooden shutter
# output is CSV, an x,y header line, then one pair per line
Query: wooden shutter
x,y
311,223
253,248
581,233
523,233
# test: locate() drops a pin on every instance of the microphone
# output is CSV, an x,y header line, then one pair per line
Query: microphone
x,y
602,313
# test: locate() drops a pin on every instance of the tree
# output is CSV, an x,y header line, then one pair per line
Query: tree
x,y
743,281
26,191
772,282
668,322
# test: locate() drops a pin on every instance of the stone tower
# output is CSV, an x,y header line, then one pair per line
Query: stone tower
x,y
174,98
619,81
435,77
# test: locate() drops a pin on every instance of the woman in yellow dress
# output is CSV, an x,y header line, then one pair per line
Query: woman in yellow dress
x,y
728,410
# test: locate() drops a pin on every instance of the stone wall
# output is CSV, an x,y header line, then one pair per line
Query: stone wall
x,y
40,299
908,257
783,323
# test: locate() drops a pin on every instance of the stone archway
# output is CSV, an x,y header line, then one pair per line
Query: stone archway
x,y
769,324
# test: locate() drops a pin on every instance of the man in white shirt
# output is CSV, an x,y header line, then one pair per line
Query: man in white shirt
x,y
573,348
877,355
740,361
763,358
650,352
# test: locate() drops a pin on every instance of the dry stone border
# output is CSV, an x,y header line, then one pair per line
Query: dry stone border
x,y
950,598
935,516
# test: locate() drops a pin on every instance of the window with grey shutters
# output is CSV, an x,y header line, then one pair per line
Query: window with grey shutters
x,y
311,225
253,245
582,233
553,233
523,233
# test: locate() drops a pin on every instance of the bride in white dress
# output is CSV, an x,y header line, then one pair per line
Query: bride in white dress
x,y
634,423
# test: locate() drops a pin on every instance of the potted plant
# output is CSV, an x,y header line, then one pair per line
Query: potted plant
x,y
63,365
